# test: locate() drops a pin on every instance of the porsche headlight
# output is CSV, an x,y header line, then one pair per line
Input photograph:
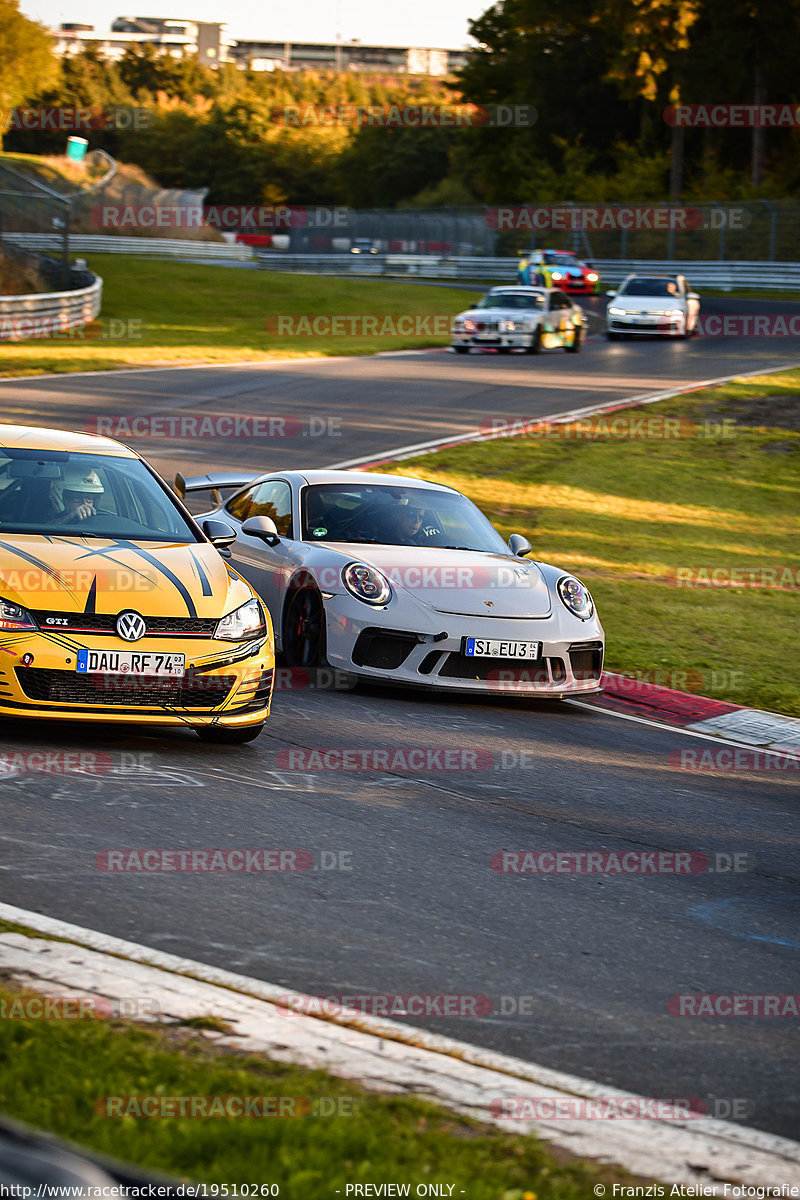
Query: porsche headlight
x,y
575,597
367,584
242,624
12,617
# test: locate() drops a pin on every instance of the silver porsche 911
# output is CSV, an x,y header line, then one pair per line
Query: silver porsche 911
x,y
403,581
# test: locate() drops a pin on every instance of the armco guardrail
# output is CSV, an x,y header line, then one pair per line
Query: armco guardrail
x,y
152,247
48,314
700,273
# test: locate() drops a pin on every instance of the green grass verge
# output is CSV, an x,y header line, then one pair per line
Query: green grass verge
x,y
171,312
624,515
53,1072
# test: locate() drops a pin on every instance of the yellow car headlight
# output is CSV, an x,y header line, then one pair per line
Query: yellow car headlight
x,y
12,617
243,624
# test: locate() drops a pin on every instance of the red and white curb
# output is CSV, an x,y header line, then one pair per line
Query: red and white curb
x,y
701,714
385,1056
625,695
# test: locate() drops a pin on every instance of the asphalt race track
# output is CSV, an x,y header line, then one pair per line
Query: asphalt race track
x,y
579,969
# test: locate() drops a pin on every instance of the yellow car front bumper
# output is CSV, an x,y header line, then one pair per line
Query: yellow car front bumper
x,y
226,684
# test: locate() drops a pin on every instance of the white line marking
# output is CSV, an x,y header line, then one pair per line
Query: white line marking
x,y
572,414
684,729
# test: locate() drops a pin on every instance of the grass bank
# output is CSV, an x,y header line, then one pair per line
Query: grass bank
x,y
157,312
55,1074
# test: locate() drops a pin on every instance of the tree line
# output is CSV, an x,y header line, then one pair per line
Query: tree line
x,y
601,76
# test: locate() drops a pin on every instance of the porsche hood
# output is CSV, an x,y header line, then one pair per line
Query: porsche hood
x,y
463,582
103,575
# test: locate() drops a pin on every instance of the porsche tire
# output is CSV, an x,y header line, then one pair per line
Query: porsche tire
x,y
304,628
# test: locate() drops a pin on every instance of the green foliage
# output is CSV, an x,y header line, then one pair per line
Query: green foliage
x,y
599,73
27,62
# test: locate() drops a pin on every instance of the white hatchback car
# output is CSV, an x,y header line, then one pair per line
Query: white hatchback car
x,y
654,304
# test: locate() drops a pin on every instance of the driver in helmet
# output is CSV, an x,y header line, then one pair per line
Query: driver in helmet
x,y
81,488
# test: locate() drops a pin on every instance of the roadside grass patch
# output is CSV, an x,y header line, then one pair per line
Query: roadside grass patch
x,y
52,1073
627,515
179,312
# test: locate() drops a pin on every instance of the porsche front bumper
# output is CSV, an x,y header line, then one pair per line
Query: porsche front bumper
x,y
429,653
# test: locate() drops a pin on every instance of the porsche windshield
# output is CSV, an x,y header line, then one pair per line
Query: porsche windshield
x,y
57,493
521,300
396,516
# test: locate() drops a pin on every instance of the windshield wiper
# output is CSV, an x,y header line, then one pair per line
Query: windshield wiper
x,y
459,548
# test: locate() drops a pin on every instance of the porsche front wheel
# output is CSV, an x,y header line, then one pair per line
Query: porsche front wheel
x,y
304,629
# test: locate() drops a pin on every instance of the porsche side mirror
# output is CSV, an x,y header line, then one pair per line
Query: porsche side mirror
x,y
220,534
262,527
520,546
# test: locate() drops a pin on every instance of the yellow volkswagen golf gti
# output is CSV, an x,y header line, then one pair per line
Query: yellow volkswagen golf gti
x,y
115,605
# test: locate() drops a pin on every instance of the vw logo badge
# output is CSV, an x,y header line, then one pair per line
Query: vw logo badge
x,y
131,626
